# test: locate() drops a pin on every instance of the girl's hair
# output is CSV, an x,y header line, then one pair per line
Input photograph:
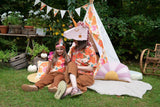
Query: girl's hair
x,y
55,56
81,45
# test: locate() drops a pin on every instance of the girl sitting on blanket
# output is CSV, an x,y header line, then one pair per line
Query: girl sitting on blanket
x,y
55,71
80,71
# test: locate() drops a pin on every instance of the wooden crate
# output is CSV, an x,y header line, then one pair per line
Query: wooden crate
x,y
29,31
19,61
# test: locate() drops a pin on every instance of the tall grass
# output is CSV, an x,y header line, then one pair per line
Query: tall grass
x,y
11,94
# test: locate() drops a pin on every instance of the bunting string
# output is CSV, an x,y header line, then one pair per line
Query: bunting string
x,y
55,11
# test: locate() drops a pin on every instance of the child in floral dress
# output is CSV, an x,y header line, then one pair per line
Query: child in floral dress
x,y
55,71
80,71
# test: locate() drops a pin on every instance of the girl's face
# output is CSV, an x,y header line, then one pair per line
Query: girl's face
x,y
59,50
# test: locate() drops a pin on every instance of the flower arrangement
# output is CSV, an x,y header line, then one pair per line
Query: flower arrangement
x,y
4,19
37,19
29,22
15,18
42,20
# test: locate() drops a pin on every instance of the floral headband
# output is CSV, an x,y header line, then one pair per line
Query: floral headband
x,y
60,43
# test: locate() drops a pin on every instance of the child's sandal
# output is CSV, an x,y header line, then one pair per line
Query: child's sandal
x,y
75,92
61,90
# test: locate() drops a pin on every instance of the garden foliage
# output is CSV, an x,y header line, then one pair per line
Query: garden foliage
x,y
131,25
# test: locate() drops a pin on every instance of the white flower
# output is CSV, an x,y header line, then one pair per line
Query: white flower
x,y
17,12
31,11
9,12
43,16
36,12
3,16
47,17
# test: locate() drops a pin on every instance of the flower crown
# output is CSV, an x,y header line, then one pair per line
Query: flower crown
x,y
60,43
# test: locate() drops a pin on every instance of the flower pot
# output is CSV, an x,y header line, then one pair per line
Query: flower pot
x,y
41,31
29,30
3,29
15,29
28,27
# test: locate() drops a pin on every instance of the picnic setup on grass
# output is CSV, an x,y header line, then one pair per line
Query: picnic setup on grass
x,y
111,76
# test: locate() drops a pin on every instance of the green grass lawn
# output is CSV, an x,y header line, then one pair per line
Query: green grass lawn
x,y
11,94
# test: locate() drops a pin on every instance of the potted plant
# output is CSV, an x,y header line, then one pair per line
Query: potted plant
x,y
37,50
29,28
41,20
15,22
29,22
4,21
5,55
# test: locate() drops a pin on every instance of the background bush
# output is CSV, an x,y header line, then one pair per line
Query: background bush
x,y
131,25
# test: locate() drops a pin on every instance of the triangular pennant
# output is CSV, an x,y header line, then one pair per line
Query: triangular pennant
x,y
42,5
36,2
78,10
62,13
55,12
85,7
49,9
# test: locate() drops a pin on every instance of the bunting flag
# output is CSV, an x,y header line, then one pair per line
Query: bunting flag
x,y
55,12
42,5
78,10
36,2
49,9
62,13
85,6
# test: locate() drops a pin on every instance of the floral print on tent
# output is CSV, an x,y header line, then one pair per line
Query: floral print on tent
x,y
92,23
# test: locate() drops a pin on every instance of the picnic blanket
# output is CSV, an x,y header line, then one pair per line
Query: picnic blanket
x,y
135,88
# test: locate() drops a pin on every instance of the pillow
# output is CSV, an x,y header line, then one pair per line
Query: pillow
x,y
114,71
135,75
42,67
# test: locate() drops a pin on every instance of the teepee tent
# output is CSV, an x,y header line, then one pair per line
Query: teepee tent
x,y
100,37
109,67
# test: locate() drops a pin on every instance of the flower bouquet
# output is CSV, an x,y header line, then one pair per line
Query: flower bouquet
x,y
15,22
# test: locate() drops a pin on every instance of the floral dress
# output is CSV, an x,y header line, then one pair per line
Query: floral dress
x,y
85,57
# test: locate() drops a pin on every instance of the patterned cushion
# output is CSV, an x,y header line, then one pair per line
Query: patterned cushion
x,y
42,66
114,71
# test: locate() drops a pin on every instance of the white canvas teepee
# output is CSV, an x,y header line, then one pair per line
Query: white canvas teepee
x,y
100,37
109,61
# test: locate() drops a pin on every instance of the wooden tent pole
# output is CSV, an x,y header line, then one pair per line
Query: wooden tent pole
x,y
74,22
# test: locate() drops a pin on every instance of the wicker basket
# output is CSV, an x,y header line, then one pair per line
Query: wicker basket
x,y
15,29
